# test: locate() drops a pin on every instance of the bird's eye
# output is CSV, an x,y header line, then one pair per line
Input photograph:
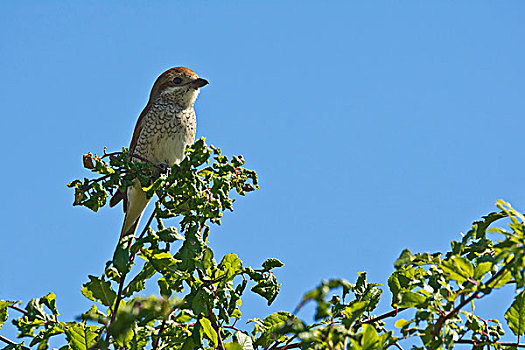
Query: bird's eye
x,y
177,80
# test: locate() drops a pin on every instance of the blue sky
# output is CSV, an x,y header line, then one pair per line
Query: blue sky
x,y
374,127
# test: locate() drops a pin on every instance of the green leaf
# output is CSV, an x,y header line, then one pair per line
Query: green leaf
x,y
170,234
271,263
49,301
515,315
501,280
4,304
411,299
401,323
244,340
458,268
191,249
44,335
121,259
98,290
197,334
481,269
189,344
210,333
353,312
405,258
270,325
267,287
81,337
164,288
207,263
232,266
198,304
35,310
160,261
370,339
138,282
232,346
94,315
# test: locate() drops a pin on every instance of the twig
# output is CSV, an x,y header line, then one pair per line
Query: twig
x,y
286,345
441,320
156,341
214,324
291,346
234,328
134,156
396,344
14,307
392,313
123,277
490,343
10,342
147,224
117,302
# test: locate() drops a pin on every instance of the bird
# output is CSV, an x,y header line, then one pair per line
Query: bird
x,y
164,129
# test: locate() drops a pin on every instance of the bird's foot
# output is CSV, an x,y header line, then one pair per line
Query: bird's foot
x,y
164,168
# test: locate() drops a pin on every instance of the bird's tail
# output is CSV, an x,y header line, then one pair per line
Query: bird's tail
x,y
129,230
136,203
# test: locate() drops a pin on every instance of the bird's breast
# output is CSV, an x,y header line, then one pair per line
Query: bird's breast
x,y
166,135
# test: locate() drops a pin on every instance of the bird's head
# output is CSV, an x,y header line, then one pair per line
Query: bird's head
x,y
177,85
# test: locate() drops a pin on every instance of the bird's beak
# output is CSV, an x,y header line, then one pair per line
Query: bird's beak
x,y
198,83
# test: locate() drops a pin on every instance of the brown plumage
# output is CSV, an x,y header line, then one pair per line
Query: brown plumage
x,y
164,129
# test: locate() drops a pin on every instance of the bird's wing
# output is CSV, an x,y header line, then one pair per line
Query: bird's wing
x,y
118,196
138,127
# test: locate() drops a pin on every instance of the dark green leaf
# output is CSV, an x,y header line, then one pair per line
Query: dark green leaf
x,y
169,234
138,282
164,288
405,258
271,263
121,259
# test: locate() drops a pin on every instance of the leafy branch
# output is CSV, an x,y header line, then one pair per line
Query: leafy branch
x,y
198,303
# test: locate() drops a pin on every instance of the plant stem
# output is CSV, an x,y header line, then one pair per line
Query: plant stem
x,y
489,343
214,324
156,341
10,342
123,277
14,307
392,313
441,320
